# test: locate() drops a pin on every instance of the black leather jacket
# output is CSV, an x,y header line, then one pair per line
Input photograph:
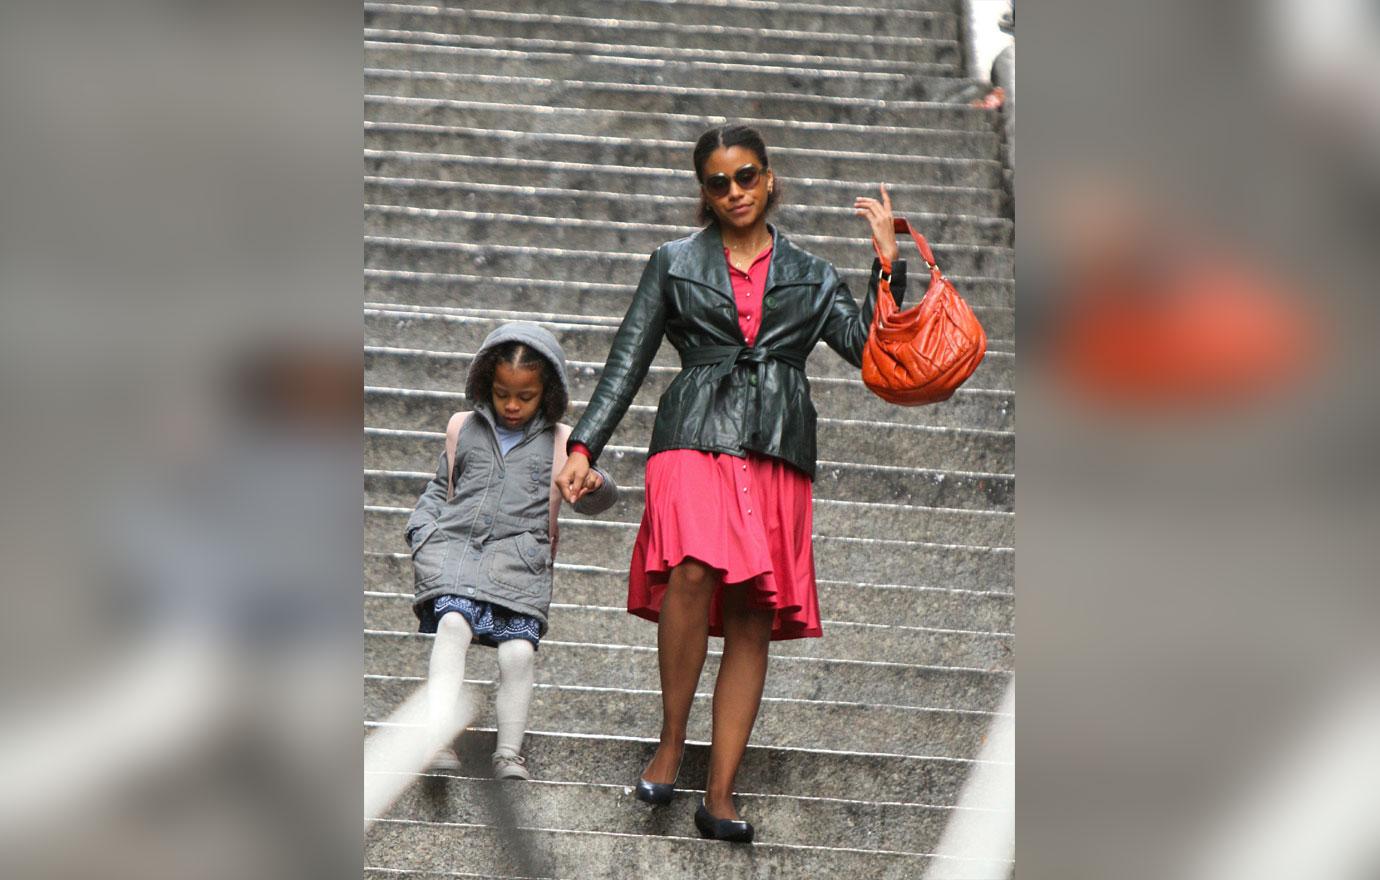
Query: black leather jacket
x,y
730,397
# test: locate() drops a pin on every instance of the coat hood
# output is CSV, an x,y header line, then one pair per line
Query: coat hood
x,y
535,337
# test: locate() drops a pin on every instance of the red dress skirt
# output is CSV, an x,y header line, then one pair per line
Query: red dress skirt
x,y
749,518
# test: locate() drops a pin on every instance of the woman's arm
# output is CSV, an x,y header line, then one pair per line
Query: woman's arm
x,y
630,356
847,327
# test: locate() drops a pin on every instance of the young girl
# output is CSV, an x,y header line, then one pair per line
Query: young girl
x,y
483,535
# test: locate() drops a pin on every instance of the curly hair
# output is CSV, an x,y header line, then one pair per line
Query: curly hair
x,y
730,136
479,385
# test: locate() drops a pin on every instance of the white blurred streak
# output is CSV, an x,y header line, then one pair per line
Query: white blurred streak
x,y
1327,59
1193,579
179,682
979,840
400,748
149,711
1313,810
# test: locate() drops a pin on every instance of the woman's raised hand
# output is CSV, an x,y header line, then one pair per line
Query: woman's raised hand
x,y
879,217
573,480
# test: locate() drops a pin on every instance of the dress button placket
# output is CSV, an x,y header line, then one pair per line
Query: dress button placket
x,y
747,501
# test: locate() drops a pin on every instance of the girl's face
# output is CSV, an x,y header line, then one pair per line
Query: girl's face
x,y
737,206
516,394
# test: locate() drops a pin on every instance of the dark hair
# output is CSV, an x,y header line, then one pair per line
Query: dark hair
x,y
730,136
479,386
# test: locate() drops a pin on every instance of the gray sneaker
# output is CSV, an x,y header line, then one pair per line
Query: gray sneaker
x,y
508,766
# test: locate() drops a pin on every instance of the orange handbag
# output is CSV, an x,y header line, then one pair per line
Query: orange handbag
x,y
923,354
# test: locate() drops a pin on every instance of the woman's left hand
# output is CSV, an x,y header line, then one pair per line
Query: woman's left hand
x,y
879,217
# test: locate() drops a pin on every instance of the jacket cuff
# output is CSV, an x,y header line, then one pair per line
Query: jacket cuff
x,y
600,499
898,278
580,448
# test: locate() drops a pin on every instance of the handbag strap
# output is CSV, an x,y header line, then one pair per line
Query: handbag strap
x,y
903,225
558,456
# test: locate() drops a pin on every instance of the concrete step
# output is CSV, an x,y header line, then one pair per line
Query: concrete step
x,y
557,92
675,127
896,663
603,302
620,68
846,481
442,241
607,542
610,667
595,47
833,519
851,258
825,19
838,440
785,37
833,398
677,181
780,722
678,211
426,846
766,770
584,806
843,519
604,151
372,873
591,343
851,441
939,606
593,304
998,321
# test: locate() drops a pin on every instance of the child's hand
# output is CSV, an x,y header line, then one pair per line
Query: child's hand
x,y
573,477
592,482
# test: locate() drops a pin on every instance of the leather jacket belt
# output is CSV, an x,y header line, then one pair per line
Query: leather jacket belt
x,y
726,357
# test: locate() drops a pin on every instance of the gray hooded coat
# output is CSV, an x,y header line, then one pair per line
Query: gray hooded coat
x,y
490,540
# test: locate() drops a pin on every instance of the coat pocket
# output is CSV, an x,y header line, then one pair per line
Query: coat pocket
x,y
520,563
428,555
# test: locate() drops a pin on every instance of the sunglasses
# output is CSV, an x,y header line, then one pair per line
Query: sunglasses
x,y
718,185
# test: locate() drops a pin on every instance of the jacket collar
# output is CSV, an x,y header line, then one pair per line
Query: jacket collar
x,y
535,425
702,261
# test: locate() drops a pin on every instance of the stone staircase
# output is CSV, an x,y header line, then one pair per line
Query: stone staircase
x,y
522,158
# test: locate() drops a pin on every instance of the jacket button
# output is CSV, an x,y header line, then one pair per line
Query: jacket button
x,y
770,302
752,380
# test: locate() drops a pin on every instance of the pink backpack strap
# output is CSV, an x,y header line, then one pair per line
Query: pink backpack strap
x,y
557,465
457,422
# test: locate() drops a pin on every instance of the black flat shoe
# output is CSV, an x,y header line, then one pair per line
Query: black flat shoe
x,y
658,794
732,830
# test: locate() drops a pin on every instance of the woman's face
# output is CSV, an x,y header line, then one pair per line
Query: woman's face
x,y
516,395
739,207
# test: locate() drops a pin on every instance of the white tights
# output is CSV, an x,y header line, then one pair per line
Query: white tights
x,y
446,676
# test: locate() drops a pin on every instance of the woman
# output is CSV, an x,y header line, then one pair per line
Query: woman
x,y
724,546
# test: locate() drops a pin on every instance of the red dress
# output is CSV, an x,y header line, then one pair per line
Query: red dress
x,y
749,518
